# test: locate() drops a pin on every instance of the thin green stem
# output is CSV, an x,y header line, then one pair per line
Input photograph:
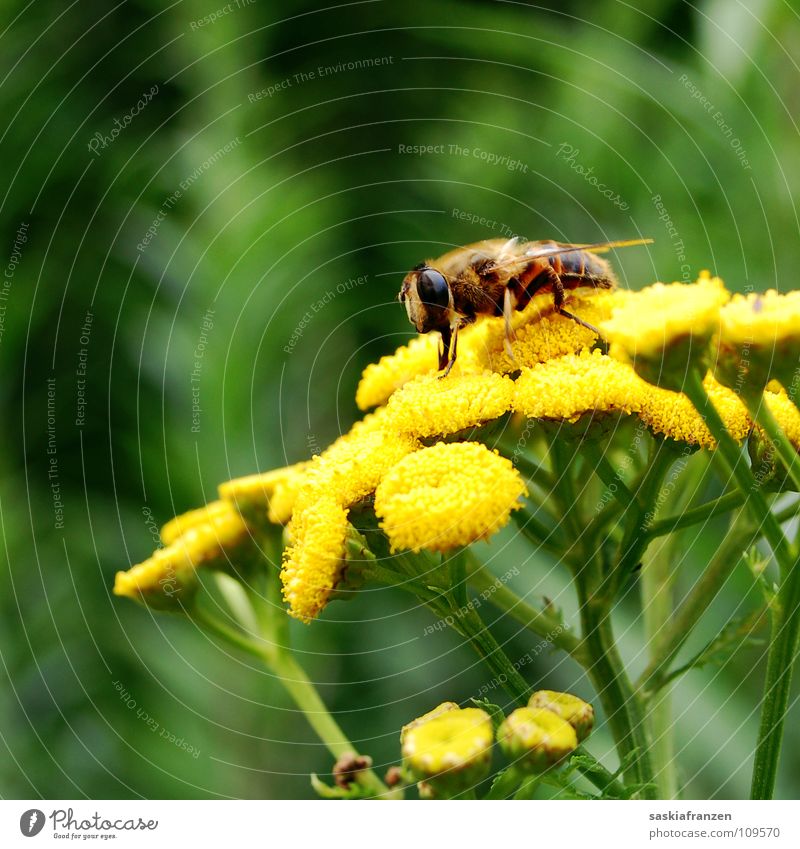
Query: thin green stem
x,y
763,416
299,686
656,584
541,623
731,456
702,513
606,671
605,471
777,684
785,627
470,625
635,539
722,564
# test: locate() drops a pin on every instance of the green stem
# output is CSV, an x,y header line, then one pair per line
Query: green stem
x,y
763,416
299,686
786,611
605,471
656,585
687,518
550,628
470,625
623,711
731,456
777,684
635,538
703,593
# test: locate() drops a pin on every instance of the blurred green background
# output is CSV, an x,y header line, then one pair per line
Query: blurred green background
x,y
268,163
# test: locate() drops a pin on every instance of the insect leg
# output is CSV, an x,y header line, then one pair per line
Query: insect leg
x,y
508,309
451,362
558,301
444,350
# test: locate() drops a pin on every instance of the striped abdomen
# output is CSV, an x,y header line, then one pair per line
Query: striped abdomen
x,y
574,269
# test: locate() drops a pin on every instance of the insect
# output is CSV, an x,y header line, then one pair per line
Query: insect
x,y
496,277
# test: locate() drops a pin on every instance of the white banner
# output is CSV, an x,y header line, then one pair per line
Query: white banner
x,y
234,824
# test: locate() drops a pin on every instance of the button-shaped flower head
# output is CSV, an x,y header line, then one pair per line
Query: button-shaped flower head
x,y
759,339
578,713
666,329
536,738
447,496
450,751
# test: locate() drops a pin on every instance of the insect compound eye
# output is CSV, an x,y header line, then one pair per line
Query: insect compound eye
x,y
432,288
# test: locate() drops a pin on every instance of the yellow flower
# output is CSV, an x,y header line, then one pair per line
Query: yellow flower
x,y
759,339
542,334
673,414
430,406
665,329
381,379
536,738
254,494
216,510
168,578
352,467
450,752
444,707
570,386
786,414
447,496
578,713
313,563
768,468
346,472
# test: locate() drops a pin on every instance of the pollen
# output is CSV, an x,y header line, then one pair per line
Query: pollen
x,y
420,356
214,512
759,339
430,406
313,563
540,334
345,473
447,496
673,414
665,313
568,387
257,492
168,577
786,414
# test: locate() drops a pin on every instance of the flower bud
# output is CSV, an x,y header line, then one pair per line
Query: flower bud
x,y
536,738
578,713
449,753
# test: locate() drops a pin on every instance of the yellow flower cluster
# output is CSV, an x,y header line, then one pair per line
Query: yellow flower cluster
x,y
591,383
269,493
209,537
347,472
448,749
540,335
428,406
447,496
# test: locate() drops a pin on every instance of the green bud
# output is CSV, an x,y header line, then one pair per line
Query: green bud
x,y
536,739
449,753
578,713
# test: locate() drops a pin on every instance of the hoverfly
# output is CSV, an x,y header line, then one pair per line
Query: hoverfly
x,y
496,277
